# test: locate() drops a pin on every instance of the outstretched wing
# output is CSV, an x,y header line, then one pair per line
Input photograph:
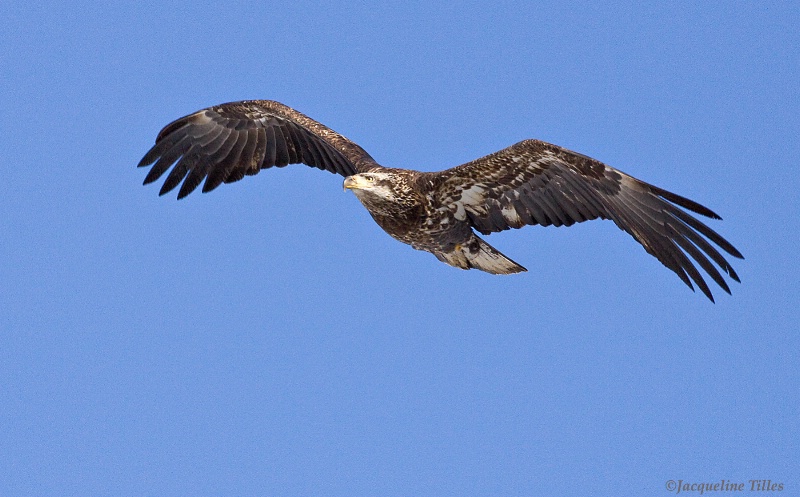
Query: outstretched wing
x,y
534,182
226,142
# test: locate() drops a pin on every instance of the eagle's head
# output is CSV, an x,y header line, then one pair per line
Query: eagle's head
x,y
374,184
382,191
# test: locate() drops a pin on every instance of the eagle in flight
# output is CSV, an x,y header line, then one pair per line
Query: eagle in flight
x,y
529,183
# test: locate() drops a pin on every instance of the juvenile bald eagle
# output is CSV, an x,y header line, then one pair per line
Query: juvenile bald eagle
x,y
529,183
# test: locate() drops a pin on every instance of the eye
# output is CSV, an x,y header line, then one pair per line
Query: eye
x,y
370,179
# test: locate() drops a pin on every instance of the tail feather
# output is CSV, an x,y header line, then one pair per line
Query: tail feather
x,y
478,254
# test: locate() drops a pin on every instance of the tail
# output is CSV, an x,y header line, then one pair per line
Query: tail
x,y
478,254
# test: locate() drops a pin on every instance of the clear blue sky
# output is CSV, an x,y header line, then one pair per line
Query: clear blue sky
x,y
269,339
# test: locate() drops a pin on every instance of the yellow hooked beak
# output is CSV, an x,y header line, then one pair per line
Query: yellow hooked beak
x,y
355,182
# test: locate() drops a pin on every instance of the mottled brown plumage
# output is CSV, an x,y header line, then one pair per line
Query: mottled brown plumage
x,y
529,183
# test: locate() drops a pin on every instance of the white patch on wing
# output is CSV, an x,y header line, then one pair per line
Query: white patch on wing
x,y
549,154
628,181
201,117
511,215
460,214
474,195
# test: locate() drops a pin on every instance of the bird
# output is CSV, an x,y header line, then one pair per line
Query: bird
x,y
529,183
